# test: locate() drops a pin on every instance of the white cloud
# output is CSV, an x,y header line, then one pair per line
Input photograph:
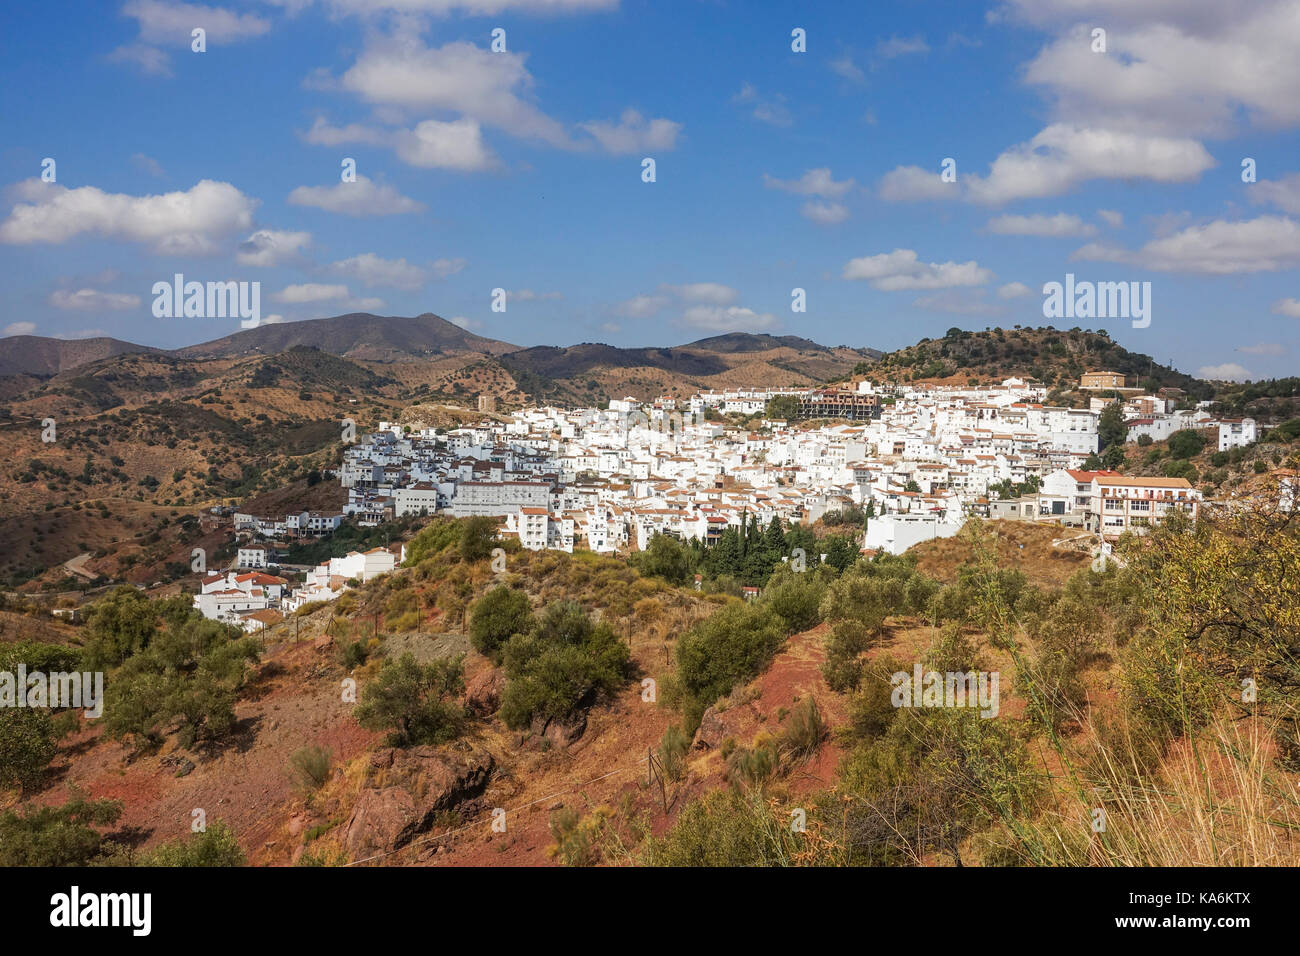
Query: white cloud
x,y
815,182
457,144
912,182
824,213
1264,348
1059,225
466,7
177,222
147,163
375,271
400,71
767,109
966,302
1266,244
432,144
1174,66
528,295
469,325
1287,307
1111,218
633,133
310,292
92,300
322,133
717,318
900,270
169,23
1013,290
897,46
1063,156
147,59
1058,159
1227,372
442,268
269,247
1283,193
20,328
361,198
846,68
641,306
706,293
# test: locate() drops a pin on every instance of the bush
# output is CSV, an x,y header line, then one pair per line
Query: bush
x,y
26,746
665,557
726,828
477,538
563,663
56,836
215,846
415,703
310,767
753,766
498,616
803,734
733,644
795,597
673,747
1186,443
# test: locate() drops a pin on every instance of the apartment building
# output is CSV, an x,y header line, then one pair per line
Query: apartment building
x,y
1102,379
839,403
1133,504
496,499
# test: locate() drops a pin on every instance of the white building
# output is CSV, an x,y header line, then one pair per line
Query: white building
x,y
895,533
1236,433
254,557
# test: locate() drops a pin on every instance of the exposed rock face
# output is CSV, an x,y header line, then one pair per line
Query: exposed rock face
x,y
561,733
426,781
711,733
483,694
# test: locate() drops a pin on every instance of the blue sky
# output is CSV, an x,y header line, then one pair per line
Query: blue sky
x,y
775,169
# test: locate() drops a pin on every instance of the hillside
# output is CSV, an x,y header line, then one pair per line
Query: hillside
x,y
1057,358
691,726
39,355
358,335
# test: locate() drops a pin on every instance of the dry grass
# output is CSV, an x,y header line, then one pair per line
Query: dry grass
x,y
1220,800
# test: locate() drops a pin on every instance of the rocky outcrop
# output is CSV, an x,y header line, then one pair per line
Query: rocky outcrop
x,y
483,693
560,733
711,733
420,783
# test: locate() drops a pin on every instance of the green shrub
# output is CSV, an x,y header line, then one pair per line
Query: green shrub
x,y
496,617
215,846
805,730
734,644
415,704
563,663
310,767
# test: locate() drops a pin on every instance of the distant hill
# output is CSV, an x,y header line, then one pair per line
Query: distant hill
x,y
754,342
39,355
1049,355
554,362
357,335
